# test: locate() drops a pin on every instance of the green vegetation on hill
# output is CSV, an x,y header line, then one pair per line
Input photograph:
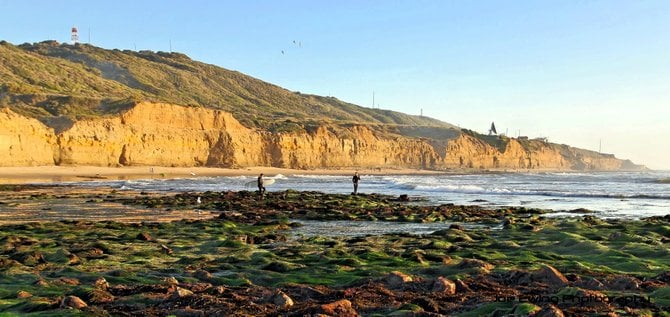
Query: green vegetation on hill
x,y
50,80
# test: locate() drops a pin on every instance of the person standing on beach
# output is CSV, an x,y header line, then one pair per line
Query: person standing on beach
x,y
261,188
355,180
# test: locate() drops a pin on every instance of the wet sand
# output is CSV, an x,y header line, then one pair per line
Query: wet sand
x,y
34,174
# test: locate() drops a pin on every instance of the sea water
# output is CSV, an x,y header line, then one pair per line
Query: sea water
x,y
606,194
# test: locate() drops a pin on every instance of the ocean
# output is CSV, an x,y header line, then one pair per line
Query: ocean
x,y
605,194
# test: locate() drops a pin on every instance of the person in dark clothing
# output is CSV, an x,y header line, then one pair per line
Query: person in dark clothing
x,y
261,188
355,180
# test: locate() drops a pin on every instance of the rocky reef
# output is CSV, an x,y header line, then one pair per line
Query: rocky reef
x,y
251,258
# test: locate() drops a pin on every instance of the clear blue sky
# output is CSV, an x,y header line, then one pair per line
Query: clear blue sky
x,y
580,72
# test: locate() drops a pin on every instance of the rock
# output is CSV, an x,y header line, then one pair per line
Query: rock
x,y
592,283
396,279
218,290
456,227
550,311
444,285
589,298
202,275
67,281
23,294
72,302
29,258
625,283
281,300
42,283
462,287
101,283
98,296
427,304
165,249
475,264
188,312
551,276
93,253
144,236
73,259
180,293
199,287
171,281
339,308
403,197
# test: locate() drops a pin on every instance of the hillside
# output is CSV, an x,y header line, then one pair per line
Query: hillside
x,y
83,105
48,79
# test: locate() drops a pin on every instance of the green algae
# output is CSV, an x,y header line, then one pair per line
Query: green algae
x,y
265,253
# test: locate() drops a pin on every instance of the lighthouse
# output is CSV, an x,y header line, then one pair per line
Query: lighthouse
x,y
75,35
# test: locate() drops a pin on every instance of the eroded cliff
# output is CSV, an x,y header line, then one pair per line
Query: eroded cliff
x,y
170,135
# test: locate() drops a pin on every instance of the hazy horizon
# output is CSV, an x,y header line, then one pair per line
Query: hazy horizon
x,y
590,74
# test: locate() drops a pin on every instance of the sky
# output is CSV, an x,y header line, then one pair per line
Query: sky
x,y
587,73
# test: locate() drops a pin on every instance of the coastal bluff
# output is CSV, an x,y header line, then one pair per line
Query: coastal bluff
x,y
160,134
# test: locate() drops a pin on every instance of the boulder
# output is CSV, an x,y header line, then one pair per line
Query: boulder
x,y
339,308
23,294
281,300
444,285
550,311
625,283
72,302
551,276
101,283
180,293
144,236
396,279
475,264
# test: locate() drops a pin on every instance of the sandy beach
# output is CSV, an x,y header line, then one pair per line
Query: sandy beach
x,y
18,175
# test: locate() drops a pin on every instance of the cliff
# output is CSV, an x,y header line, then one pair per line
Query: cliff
x,y
170,135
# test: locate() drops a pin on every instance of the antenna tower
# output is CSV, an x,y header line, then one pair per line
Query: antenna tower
x,y
75,35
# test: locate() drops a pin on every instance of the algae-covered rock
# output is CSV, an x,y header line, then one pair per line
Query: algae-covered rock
x,y
475,264
525,309
30,258
99,296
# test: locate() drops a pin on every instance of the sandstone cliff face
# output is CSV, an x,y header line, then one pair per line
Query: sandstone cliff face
x,y
169,135
24,141
164,135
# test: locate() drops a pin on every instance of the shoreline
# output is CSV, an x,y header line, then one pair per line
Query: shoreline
x,y
53,173
29,174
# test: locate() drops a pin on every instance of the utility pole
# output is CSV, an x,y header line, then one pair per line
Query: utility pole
x,y
373,99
